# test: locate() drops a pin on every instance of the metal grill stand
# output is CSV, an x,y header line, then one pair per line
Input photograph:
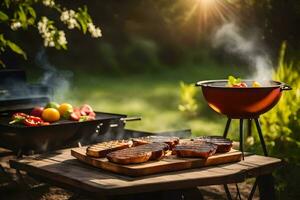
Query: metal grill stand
x,y
266,182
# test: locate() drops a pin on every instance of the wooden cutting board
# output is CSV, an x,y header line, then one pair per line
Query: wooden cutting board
x,y
167,164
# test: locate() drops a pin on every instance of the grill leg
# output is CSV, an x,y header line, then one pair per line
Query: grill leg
x,y
249,132
261,137
227,127
242,138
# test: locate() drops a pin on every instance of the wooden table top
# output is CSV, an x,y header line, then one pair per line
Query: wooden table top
x,y
64,170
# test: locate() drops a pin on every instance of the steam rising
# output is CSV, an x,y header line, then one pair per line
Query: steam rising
x,y
249,49
59,80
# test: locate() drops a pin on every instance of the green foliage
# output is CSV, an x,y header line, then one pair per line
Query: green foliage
x,y
282,123
83,18
21,15
282,127
188,102
3,16
13,46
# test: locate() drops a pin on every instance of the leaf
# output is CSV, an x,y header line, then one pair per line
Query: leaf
x,y
15,48
7,3
3,16
82,24
22,15
31,21
31,11
2,63
2,40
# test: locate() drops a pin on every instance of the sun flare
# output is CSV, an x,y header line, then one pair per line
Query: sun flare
x,y
211,12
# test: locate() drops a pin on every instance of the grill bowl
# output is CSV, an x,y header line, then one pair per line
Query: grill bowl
x,y
239,103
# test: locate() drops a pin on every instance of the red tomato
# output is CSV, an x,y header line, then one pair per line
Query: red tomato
x,y
37,111
240,85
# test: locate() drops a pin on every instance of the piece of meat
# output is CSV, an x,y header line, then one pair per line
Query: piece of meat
x,y
100,150
195,149
171,141
138,154
224,144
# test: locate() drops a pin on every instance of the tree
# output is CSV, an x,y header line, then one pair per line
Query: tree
x,y
16,15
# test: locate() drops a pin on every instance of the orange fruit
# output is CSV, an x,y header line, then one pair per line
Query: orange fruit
x,y
65,110
50,115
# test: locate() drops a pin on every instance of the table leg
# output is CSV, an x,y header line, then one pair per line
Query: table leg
x,y
265,182
228,195
266,187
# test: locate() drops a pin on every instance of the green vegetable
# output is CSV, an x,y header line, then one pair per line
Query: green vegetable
x,y
17,119
233,81
83,118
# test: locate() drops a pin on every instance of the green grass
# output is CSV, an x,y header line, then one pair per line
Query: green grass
x,y
154,97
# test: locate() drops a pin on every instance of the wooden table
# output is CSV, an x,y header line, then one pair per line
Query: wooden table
x,y
61,169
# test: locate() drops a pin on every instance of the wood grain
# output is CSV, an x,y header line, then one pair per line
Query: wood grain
x,y
61,169
167,164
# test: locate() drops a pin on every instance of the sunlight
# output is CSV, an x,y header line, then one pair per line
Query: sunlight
x,y
211,12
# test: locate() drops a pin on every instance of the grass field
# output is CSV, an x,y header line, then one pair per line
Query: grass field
x,y
154,97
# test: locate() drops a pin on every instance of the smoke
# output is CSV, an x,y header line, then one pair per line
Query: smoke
x,y
59,80
247,48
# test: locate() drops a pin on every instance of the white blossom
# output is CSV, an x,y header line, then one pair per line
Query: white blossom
x,y
49,3
68,17
64,16
15,25
61,38
42,25
94,31
50,34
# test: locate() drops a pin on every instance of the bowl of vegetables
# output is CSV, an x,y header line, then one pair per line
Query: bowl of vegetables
x,y
237,98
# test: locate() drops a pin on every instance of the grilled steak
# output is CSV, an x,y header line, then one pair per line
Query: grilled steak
x,y
224,144
138,154
195,149
102,149
171,141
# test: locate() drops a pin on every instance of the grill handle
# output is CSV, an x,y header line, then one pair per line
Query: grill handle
x,y
134,118
126,119
285,86
201,83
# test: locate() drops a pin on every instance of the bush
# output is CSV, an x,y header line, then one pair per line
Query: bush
x,y
281,127
188,102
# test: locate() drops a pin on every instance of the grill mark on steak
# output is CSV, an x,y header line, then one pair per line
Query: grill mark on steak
x,y
102,149
171,141
195,149
138,154
224,144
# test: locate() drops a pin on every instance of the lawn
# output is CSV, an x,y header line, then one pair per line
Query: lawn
x,y
154,97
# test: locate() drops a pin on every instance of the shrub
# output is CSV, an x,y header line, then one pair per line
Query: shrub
x,y
188,102
281,127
